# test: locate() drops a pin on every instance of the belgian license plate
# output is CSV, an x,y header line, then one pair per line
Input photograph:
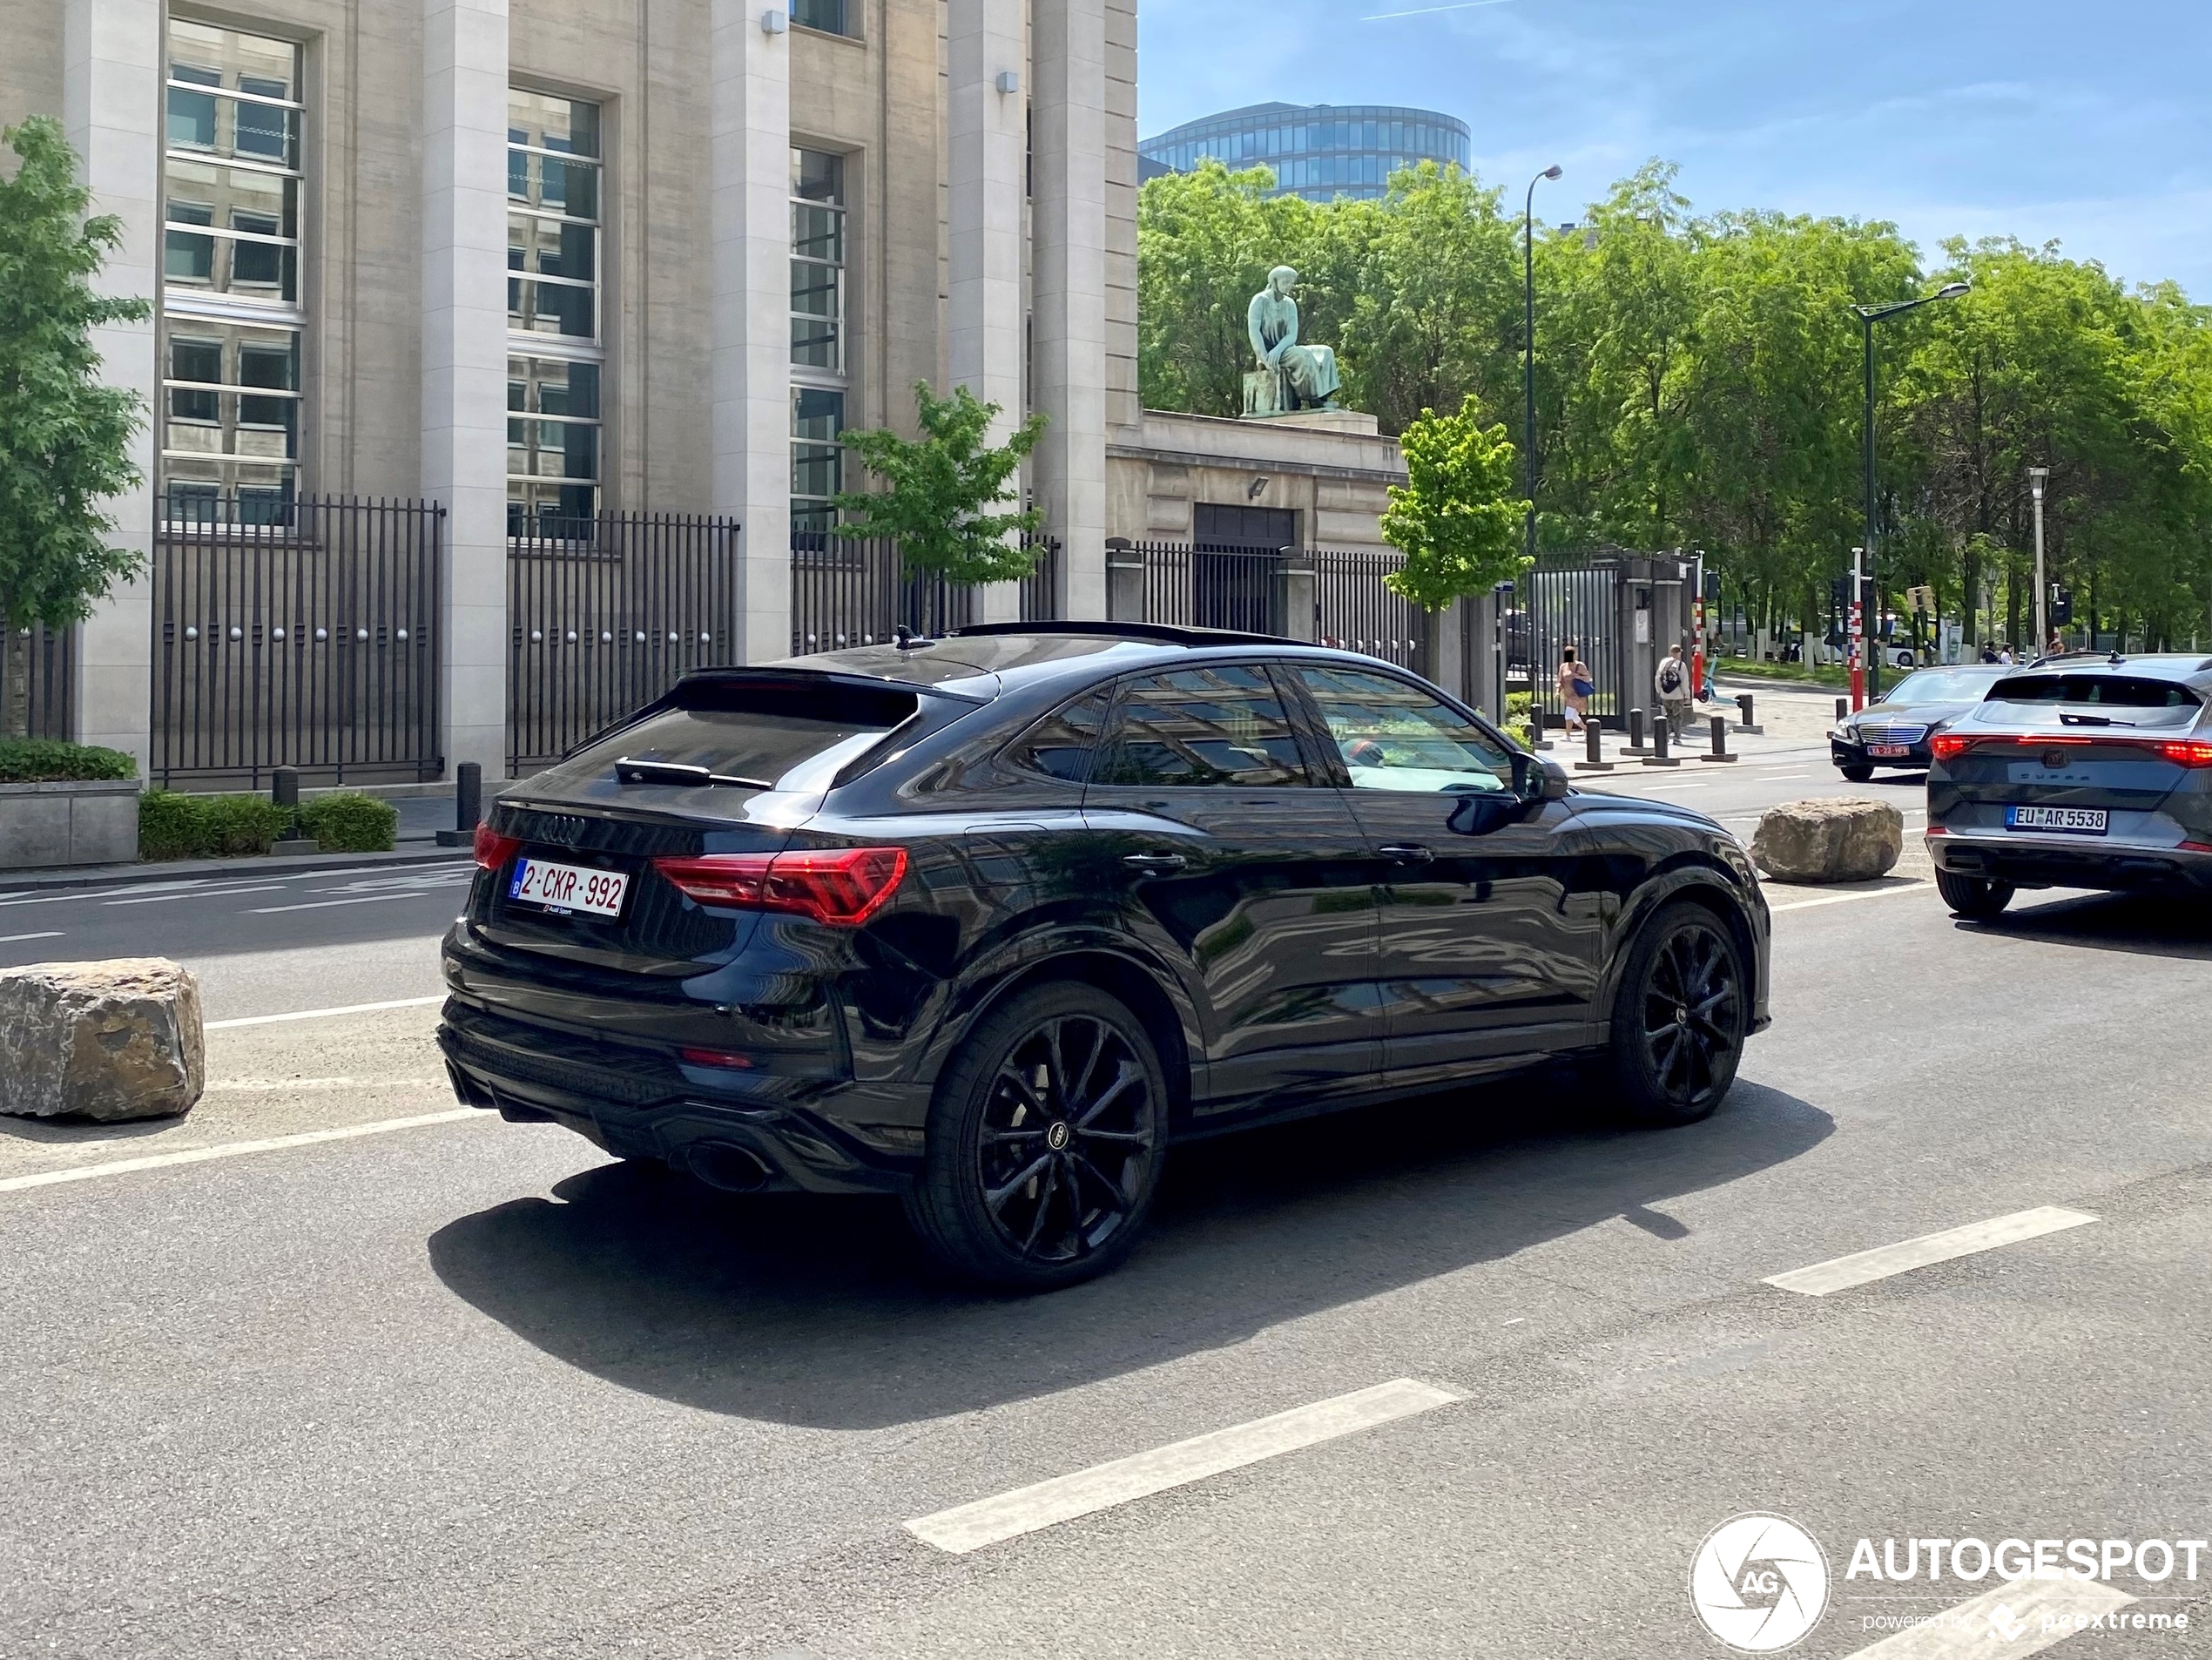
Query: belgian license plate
x,y
1889,751
2072,821
568,888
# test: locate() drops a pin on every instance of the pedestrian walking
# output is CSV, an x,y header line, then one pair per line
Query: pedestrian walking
x,y
1672,684
1575,690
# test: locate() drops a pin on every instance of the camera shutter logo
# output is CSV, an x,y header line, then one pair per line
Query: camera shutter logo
x,y
1759,1583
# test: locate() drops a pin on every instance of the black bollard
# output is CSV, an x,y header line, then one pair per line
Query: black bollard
x,y
1720,741
284,786
467,806
1593,748
1659,756
1536,727
1636,745
284,790
1842,708
1743,707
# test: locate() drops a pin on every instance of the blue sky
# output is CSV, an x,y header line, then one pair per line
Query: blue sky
x,y
2087,122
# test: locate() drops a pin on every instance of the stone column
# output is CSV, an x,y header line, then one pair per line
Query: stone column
x,y
111,107
986,197
749,158
1069,265
464,362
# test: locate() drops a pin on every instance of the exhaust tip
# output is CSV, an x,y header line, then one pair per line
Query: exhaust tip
x,y
731,1168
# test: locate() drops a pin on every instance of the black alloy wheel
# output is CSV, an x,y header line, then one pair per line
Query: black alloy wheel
x,y
1976,898
1044,1145
1681,1018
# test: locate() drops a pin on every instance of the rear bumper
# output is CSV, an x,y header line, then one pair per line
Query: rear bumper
x,y
2053,861
640,1109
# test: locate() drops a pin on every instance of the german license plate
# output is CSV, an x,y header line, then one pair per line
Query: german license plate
x,y
1889,751
2072,821
568,888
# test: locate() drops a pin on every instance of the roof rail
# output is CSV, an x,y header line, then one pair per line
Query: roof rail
x,y
1162,634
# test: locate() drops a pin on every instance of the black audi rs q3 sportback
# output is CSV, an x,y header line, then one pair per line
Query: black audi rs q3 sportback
x,y
990,922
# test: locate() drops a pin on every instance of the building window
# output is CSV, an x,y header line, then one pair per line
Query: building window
x,y
554,341
828,15
817,460
230,302
818,261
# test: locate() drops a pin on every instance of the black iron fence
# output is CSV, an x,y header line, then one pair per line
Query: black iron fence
x,y
1336,595
37,685
1355,610
1560,605
304,637
606,614
847,592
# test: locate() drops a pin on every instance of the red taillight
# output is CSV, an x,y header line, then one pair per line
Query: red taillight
x,y
717,1057
2188,752
492,849
840,885
1948,747
1938,830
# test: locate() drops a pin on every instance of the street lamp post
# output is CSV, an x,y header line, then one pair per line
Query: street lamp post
x,y
1868,316
2036,478
1528,350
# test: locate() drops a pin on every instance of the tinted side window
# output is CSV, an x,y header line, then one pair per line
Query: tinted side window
x,y
1060,746
1393,736
1222,726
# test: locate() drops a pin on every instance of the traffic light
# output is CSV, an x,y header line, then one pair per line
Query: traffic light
x,y
2061,604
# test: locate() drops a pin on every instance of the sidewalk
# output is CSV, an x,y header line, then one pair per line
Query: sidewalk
x,y
14,882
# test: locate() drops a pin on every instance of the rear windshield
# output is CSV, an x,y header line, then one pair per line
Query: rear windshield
x,y
1936,685
757,730
2108,691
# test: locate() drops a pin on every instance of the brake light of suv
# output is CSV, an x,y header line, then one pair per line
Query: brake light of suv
x,y
492,849
2182,752
843,887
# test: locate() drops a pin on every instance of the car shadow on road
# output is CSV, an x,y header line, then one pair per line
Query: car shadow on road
x,y
822,1312
2140,924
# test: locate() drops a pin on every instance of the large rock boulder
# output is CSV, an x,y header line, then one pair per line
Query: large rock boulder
x,y
112,1040
1837,839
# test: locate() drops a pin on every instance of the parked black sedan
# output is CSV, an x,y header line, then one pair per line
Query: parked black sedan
x,y
2079,771
1897,729
989,921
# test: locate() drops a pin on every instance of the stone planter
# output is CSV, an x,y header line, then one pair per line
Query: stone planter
x,y
76,823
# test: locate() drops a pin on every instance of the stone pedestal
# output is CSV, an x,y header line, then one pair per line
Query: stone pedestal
x,y
106,1040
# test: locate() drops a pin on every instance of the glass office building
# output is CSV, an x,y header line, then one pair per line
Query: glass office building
x,y
1320,151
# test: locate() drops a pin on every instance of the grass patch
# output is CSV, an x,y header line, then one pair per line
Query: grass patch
x,y
175,826
346,821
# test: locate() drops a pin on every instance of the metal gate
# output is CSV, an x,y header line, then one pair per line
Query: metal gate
x,y
1560,605
310,641
605,615
37,683
856,591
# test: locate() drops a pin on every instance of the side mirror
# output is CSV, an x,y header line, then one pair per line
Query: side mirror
x,y
1541,778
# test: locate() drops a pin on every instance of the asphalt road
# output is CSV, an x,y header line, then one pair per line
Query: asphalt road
x,y
465,1388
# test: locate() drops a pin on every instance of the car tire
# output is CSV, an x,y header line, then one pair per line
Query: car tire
x,y
1026,1097
1857,774
1680,1018
1976,898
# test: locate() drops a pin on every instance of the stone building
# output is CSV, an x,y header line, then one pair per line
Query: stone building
x,y
539,261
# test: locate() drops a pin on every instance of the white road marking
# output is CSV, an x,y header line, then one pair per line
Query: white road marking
x,y
2011,1616
254,1086
237,1149
324,904
1859,1268
204,893
990,1521
318,1014
1846,899
10,938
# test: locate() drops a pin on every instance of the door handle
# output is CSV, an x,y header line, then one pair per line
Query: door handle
x,y
1408,853
1148,862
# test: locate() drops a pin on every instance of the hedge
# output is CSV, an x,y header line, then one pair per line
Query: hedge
x,y
47,760
349,822
174,825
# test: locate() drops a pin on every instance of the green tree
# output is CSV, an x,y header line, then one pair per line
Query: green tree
x,y
941,490
64,437
1458,517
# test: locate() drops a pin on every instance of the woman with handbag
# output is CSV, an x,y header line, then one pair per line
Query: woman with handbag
x,y
1575,690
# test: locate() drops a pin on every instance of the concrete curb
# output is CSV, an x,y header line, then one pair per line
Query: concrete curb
x,y
14,882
